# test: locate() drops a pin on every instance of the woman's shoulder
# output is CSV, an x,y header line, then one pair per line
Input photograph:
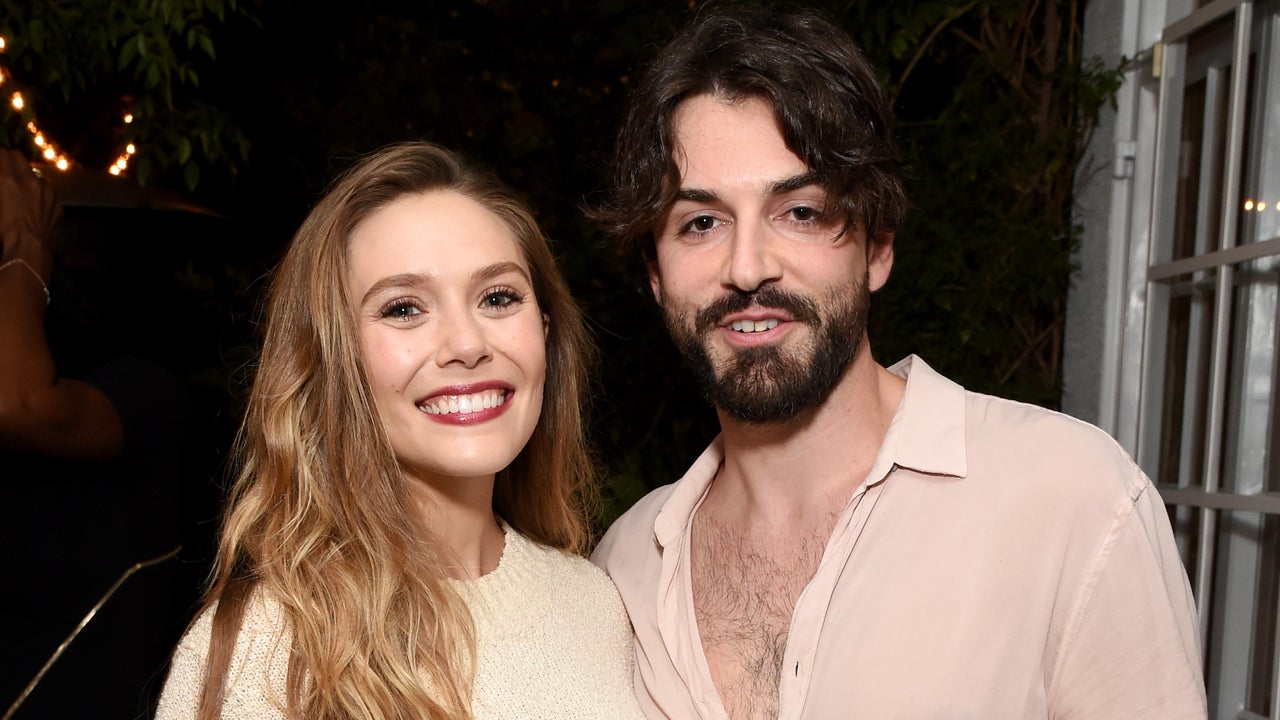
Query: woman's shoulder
x,y
257,671
562,568
534,582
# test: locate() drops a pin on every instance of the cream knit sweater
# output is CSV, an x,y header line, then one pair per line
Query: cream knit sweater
x,y
553,641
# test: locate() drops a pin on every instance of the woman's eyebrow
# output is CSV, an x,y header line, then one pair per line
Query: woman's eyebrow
x,y
393,281
489,272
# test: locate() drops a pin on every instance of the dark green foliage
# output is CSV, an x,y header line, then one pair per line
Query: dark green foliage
x,y
995,107
992,99
83,63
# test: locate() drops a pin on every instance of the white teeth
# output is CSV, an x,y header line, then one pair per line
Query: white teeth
x,y
455,404
748,326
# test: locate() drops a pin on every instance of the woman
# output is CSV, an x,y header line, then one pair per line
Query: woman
x,y
412,475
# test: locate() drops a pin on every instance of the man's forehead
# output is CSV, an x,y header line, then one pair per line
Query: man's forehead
x,y
734,144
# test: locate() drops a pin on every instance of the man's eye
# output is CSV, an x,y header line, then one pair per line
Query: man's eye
x,y
805,214
700,224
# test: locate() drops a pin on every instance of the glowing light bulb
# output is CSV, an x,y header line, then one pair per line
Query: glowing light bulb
x,y
1262,206
1248,205
45,146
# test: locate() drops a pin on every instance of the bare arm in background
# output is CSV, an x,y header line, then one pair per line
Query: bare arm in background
x,y
40,412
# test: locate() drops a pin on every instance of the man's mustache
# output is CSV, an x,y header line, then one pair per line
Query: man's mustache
x,y
800,307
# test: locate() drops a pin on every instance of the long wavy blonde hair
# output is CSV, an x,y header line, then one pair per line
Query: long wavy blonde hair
x,y
320,519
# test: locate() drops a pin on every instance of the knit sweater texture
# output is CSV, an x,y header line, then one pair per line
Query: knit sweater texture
x,y
553,641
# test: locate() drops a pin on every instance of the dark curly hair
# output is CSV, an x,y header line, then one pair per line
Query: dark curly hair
x,y
831,110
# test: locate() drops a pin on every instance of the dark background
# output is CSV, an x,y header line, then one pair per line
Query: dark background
x,y
247,109
992,98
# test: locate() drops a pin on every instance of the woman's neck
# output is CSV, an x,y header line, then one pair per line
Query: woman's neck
x,y
459,512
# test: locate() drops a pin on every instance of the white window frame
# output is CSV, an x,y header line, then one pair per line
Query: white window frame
x,y
1148,112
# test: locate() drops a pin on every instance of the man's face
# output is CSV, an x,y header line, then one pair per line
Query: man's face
x,y
763,287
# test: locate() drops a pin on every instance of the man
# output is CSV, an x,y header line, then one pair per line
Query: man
x,y
89,471
859,541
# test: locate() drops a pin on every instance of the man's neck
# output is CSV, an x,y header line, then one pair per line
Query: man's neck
x,y
788,471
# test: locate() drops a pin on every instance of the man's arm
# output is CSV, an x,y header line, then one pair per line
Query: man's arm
x,y
1132,649
40,412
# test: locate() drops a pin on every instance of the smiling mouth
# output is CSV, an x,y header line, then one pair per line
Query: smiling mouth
x,y
463,404
753,326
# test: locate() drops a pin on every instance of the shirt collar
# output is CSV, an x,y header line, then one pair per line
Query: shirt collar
x,y
687,493
927,435
928,431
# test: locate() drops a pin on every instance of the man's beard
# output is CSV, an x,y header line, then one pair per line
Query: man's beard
x,y
761,385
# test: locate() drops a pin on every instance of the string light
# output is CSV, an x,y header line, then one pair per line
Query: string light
x,y
1260,206
45,147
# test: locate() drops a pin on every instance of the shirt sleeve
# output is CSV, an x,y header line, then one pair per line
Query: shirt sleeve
x,y
1132,647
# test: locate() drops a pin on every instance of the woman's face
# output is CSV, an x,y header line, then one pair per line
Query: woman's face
x,y
452,335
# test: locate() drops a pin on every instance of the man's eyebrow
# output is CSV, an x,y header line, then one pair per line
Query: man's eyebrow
x,y
696,195
793,183
777,187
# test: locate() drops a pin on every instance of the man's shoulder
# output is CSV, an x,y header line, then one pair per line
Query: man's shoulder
x,y
634,527
1019,435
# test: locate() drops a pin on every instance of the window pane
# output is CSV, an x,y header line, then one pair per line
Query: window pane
x,y
1243,611
1259,218
1185,379
1251,376
1197,183
1268,596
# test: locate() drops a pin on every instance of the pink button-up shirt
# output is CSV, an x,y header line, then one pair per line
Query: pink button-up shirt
x,y
999,561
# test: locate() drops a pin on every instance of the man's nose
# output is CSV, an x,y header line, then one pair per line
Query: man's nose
x,y
753,258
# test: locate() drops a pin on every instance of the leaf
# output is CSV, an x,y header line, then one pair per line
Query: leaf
x,y
128,51
191,175
184,151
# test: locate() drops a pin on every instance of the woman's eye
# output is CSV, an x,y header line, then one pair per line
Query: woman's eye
x,y
499,298
400,310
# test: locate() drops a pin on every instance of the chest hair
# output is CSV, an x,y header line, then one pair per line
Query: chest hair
x,y
744,592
